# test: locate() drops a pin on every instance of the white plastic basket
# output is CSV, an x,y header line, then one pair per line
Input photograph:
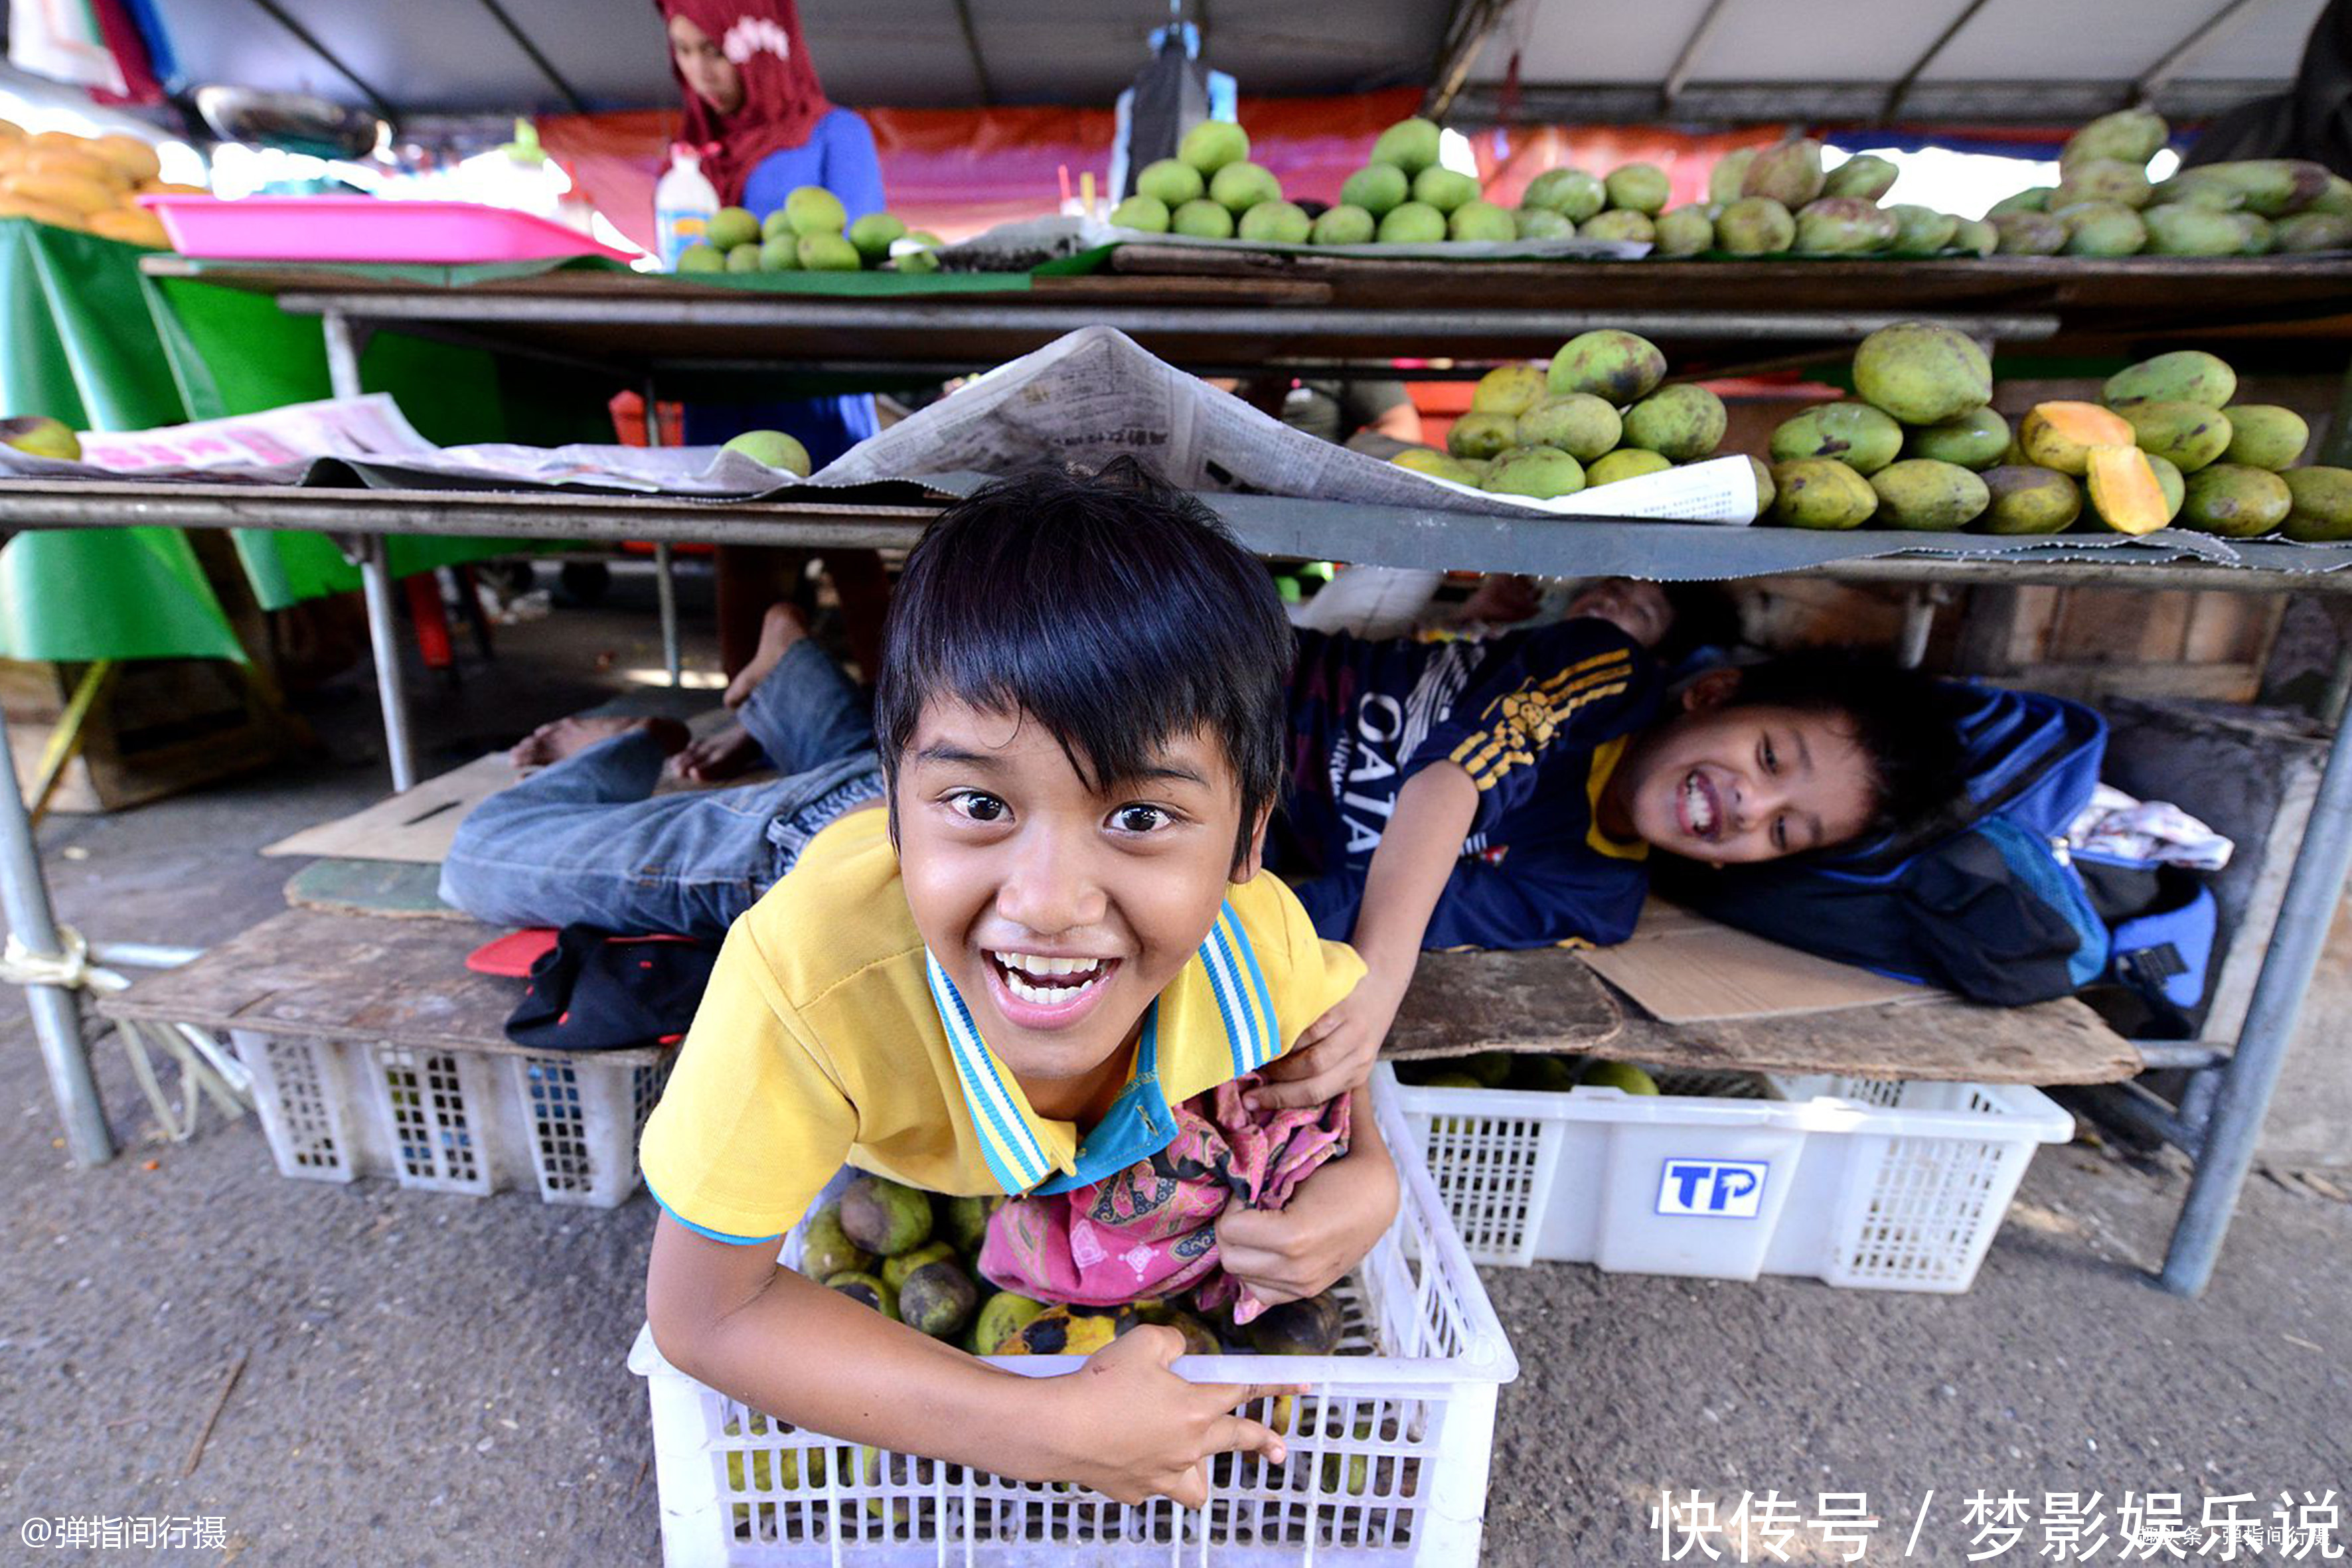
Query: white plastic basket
x,y
1388,1454
450,1120
1861,1183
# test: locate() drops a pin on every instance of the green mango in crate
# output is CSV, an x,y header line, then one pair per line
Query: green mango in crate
x,y
826,1250
1309,1327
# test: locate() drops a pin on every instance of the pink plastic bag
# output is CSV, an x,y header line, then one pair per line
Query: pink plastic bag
x,y
1151,1229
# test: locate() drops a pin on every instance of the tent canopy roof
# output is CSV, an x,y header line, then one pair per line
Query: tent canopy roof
x,y
1577,60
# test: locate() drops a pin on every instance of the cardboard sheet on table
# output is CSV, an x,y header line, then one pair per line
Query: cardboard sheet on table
x,y
1684,969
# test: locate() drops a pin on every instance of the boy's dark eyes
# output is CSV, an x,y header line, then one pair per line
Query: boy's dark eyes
x,y
1780,833
1141,818
1771,758
976,806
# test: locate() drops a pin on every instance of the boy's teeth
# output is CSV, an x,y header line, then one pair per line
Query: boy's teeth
x,y
1041,995
1027,976
1694,800
1034,964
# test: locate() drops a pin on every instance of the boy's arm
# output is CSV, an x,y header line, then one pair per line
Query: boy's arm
x,y
1408,874
1330,1221
1123,1424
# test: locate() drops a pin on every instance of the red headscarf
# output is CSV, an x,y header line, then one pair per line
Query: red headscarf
x,y
782,100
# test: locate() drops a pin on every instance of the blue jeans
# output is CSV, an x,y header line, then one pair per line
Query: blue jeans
x,y
587,842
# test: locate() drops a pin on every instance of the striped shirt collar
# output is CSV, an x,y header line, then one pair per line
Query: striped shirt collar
x,y
1223,980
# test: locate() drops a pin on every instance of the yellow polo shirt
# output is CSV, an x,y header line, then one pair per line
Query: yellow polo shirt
x,y
829,1036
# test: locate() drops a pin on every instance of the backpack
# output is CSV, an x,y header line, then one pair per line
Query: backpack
x,y
1989,901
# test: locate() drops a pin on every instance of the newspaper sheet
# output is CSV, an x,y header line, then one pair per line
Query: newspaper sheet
x,y
1094,395
1085,399
369,427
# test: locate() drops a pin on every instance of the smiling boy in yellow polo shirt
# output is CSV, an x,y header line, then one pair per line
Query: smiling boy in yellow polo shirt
x,y
1002,974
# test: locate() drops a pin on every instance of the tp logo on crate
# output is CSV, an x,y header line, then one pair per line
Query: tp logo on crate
x,y
1713,1189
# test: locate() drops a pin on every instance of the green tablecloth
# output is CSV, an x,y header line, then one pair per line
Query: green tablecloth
x,y
84,338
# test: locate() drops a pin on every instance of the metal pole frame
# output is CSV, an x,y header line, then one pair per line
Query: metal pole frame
x,y
375,577
664,577
2304,916
57,1011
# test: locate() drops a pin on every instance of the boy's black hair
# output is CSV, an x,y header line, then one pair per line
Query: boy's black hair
x,y
1113,608
1903,721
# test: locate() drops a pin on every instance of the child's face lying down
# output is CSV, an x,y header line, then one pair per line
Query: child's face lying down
x,y
1638,609
1731,784
1059,908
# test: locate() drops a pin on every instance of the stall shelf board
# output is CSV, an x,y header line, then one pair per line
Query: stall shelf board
x,y
639,326
2088,295
893,516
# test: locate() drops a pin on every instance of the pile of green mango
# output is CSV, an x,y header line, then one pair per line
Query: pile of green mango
x,y
2105,204
1402,196
1548,1074
1920,447
908,1256
810,233
1906,451
1595,414
1782,201
914,1257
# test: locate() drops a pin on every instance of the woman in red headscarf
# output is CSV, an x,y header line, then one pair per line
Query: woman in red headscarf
x,y
753,98
755,108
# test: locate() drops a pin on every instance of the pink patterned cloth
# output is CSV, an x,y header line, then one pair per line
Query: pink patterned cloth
x,y
1151,1229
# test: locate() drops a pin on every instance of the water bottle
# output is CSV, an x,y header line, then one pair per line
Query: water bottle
x,y
684,205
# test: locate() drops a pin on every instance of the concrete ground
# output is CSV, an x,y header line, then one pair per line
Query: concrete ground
x,y
431,1380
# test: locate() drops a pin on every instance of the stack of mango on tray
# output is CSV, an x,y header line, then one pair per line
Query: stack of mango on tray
x,y
1595,415
1921,447
87,183
2104,203
1402,196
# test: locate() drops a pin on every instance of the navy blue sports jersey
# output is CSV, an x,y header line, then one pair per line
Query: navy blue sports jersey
x,y
1538,718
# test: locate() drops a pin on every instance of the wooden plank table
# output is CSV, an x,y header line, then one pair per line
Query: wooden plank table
x,y
308,974
303,974
1547,1000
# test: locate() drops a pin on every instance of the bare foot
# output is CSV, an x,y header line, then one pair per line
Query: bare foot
x,y
782,627
565,737
724,755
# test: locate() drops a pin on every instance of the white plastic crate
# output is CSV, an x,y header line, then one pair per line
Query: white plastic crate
x,y
1388,1455
450,1120
1858,1182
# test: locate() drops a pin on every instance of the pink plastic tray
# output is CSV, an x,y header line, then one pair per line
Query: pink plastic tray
x,y
360,229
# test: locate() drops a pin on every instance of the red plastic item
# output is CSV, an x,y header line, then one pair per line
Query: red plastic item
x,y
510,956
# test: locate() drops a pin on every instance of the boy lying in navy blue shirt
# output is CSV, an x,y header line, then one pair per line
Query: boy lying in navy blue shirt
x,y
1508,794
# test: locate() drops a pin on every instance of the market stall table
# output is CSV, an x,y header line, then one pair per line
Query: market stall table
x,y
2222,1145
676,333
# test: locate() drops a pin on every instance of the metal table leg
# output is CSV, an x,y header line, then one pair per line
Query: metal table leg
x,y
57,1011
664,579
2304,918
666,585
375,577
384,636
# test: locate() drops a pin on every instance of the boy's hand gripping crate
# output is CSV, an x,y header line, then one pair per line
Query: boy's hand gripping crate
x,y
1857,1182
1388,1454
